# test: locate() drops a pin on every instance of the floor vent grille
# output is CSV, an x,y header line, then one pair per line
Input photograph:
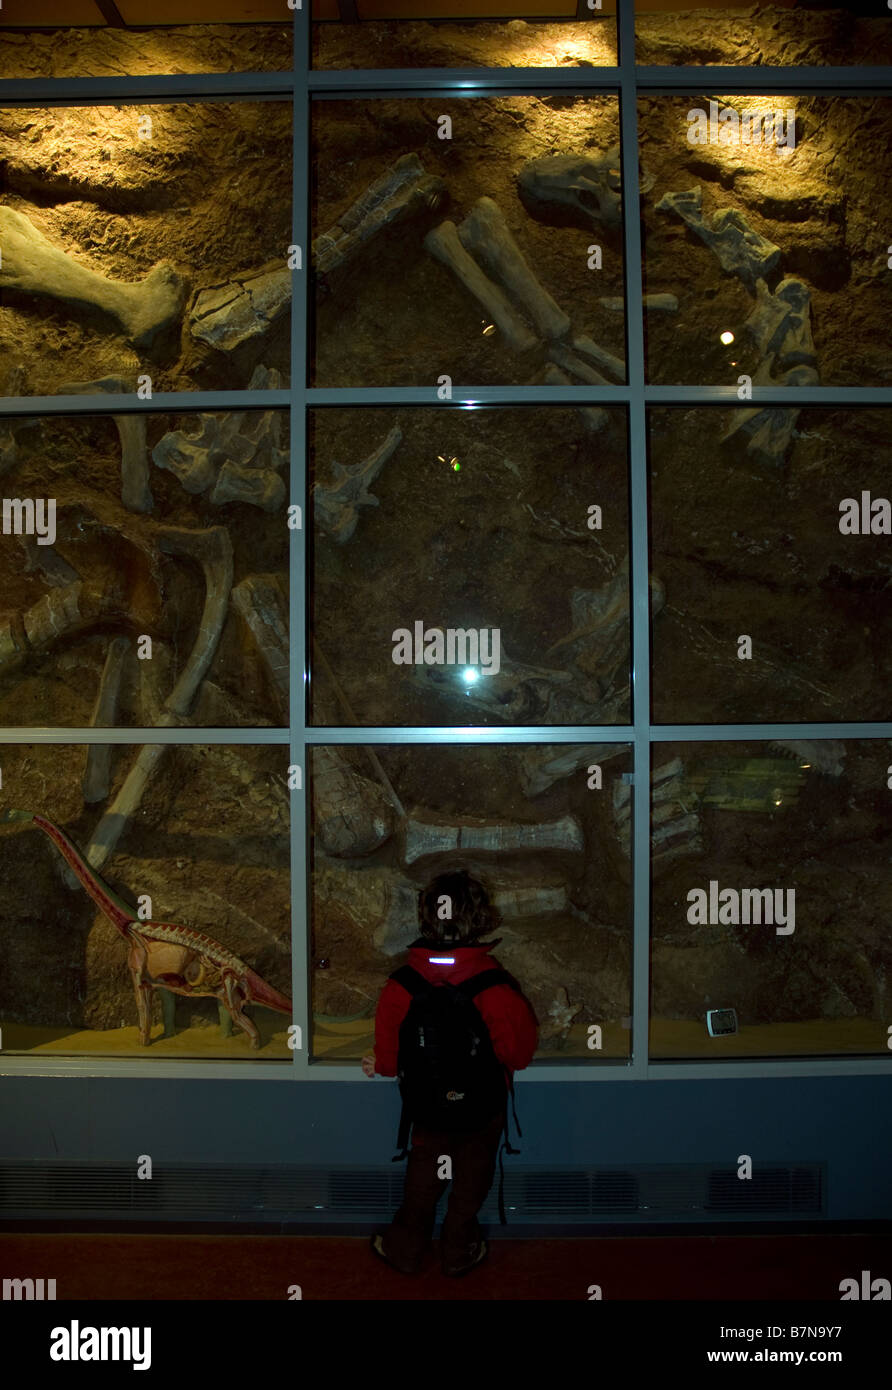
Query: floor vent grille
x,y
199,1192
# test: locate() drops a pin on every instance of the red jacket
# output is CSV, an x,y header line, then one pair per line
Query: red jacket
x,y
508,1015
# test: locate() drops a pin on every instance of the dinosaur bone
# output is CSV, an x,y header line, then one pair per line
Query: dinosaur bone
x,y
770,428
135,491
32,264
593,417
592,186
336,509
259,487
227,315
484,233
401,191
541,767
259,602
653,303
740,250
781,324
675,828
62,612
194,459
46,560
571,363
213,551
443,242
586,348
97,776
352,816
423,839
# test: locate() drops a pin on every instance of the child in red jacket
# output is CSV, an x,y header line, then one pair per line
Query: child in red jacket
x,y
452,936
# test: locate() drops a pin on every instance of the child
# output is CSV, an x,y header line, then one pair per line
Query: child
x,y
454,912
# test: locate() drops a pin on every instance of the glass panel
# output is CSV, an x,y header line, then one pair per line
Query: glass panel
x,y
487,43
156,51
419,278
141,590
770,899
204,847
774,244
469,567
145,243
533,824
779,536
786,33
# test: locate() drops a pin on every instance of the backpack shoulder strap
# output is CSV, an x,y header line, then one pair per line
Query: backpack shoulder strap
x,y
477,983
411,980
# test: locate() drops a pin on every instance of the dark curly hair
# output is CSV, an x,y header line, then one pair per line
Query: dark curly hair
x,y
471,914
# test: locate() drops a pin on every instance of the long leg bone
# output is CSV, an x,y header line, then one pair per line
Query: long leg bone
x,y
135,491
225,316
31,263
400,192
213,551
443,243
593,416
97,776
424,839
485,234
260,604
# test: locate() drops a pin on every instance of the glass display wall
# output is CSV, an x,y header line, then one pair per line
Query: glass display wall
x,y
440,442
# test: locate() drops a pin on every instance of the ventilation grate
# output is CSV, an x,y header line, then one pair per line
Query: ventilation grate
x,y
198,1192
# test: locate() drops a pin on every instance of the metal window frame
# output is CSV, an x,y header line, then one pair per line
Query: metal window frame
x,y
300,86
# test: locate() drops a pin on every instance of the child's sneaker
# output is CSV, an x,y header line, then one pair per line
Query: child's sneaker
x,y
478,1254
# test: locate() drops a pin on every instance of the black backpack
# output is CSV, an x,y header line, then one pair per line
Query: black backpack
x,y
450,1078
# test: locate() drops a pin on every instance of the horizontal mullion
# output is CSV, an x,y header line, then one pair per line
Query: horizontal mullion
x,y
128,91
467,395
181,735
584,733
799,396
743,80
164,402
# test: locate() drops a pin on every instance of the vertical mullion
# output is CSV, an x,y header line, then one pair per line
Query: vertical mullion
x,y
298,434
638,565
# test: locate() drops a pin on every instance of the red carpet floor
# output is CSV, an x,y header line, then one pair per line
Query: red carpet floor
x,y
670,1267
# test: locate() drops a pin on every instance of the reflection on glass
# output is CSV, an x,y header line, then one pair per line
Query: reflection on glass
x,y
784,34
145,244
771,534
512,42
762,218
468,241
770,899
185,854
153,581
535,825
470,567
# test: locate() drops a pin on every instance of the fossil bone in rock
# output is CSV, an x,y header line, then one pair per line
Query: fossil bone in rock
x,y
259,601
352,816
740,250
826,755
675,826
136,493
97,776
770,428
593,417
194,459
259,487
584,347
227,315
212,550
423,838
591,186
781,324
33,265
336,508
62,612
653,303
485,234
401,191
541,767
600,636
443,242
46,560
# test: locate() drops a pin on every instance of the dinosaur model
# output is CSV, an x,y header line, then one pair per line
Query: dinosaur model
x,y
165,955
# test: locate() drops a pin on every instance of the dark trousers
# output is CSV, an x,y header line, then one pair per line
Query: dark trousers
x,y
473,1166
